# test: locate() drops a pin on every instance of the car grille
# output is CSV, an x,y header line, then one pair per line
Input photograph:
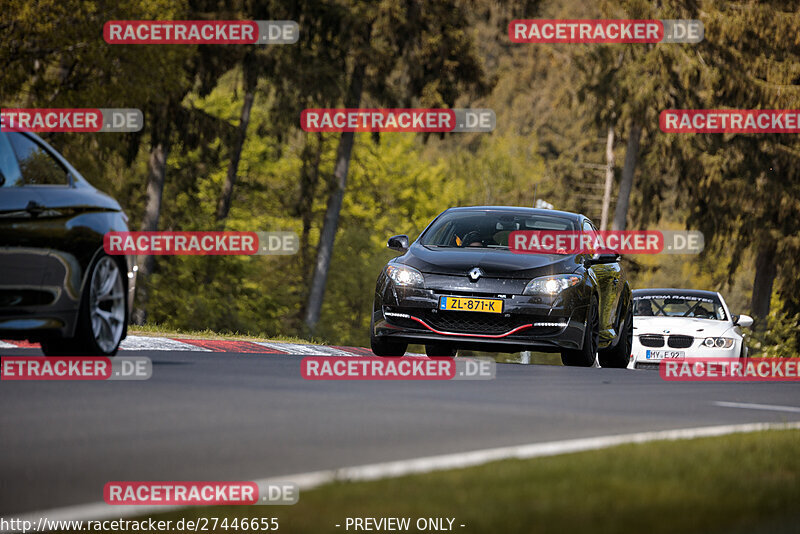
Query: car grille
x,y
477,323
680,342
651,340
473,323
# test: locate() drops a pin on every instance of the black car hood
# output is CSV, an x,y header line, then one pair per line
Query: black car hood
x,y
495,263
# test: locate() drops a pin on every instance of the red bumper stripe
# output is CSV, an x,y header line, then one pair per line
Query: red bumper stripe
x,y
495,336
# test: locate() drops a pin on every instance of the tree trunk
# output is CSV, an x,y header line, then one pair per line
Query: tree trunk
x,y
309,179
157,168
626,184
766,271
331,223
609,178
308,187
224,204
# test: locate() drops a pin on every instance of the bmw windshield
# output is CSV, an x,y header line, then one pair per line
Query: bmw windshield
x,y
678,306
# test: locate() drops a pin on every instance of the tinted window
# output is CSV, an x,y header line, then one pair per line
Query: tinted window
x,y
36,165
9,170
590,228
488,229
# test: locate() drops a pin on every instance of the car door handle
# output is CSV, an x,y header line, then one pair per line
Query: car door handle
x,y
34,208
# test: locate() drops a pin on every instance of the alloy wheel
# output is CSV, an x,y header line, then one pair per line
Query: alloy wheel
x,y
107,304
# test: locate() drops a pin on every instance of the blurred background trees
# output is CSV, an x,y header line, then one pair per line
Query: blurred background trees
x,y
222,145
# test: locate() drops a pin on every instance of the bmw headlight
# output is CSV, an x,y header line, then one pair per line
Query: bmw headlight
x,y
405,276
718,342
551,285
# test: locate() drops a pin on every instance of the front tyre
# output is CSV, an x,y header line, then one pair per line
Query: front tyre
x,y
102,315
584,357
439,351
620,355
382,346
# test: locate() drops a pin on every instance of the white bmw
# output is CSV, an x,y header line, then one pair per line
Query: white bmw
x,y
677,324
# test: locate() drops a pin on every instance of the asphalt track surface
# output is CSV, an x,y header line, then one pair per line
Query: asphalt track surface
x,y
241,416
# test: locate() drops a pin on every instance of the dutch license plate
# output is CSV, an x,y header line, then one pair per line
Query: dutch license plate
x,y
664,355
468,304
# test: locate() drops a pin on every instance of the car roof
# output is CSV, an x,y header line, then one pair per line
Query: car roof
x,y
674,291
532,211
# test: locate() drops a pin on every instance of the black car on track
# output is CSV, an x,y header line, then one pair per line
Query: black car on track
x,y
57,285
459,286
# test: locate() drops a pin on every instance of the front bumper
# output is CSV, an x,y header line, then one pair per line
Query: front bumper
x,y
640,360
546,324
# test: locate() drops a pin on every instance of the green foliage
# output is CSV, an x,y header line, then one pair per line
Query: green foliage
x,y
553,105
781,336
392,191
742,483
743,190
503,169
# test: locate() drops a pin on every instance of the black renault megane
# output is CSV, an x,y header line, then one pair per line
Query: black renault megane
x,y
460,286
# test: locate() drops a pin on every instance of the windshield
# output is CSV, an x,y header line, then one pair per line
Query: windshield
x,y
487,229
678,306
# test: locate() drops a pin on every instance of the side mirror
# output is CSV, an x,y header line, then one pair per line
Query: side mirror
x,y
601,258
398,243
744,321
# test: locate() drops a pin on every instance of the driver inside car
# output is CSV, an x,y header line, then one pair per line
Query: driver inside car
x,y
485,237
703,313
472,239
644,307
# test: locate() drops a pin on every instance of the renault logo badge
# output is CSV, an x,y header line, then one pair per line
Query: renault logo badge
x,y
475,273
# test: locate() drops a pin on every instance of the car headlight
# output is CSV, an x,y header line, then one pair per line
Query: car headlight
x,y
718,342
405,276
551,285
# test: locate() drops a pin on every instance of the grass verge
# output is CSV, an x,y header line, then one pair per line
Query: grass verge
x,y
162,331
738,483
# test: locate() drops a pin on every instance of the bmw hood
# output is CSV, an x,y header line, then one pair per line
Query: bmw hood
x,y
687,326
495,263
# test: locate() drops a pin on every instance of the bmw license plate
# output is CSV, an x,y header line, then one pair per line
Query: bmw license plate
x,y
468,304
664,355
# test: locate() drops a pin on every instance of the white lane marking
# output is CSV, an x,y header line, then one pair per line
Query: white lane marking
x,y
307,481
751,406
158,343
